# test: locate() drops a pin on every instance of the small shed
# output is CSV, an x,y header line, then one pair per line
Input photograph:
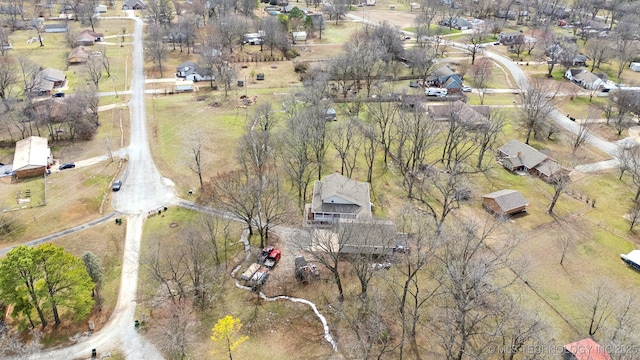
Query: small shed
x,y
331,114
635,66
184,85
299,36
505,202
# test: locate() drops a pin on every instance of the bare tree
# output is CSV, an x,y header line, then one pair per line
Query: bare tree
x,y
559,181
475,38
537,100
4,41
598,301
487,136
482,73
174,328
156,45
383,116
583,134
347,140
8,78
470,297
233,192
518,327
193,147
634,215
325,246
599,51
626,158
93,68
273,204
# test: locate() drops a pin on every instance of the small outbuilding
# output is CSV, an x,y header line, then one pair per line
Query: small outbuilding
x,y
505,202
32,157
635,66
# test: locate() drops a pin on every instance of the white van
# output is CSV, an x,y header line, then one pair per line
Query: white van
x,y
436,92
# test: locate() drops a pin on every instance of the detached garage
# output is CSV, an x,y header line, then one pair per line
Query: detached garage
x,y
32,157
505,202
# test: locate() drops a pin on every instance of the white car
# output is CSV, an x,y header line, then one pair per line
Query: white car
x,y
466,89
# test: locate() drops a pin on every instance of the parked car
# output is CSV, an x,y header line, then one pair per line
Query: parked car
x,y
466,89
69,165
58,95
117,185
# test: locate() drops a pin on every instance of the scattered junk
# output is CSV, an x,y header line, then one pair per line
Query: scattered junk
x,y
305,271
379,266
260,76
247,274
402,246
264,254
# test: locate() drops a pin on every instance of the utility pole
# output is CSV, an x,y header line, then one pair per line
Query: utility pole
x,y
109,149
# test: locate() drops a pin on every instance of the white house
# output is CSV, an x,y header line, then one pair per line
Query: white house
x,y
584,78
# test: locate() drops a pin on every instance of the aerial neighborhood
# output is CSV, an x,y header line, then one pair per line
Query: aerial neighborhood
x,y
188,179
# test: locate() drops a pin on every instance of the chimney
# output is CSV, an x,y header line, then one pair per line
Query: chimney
x,y
519,153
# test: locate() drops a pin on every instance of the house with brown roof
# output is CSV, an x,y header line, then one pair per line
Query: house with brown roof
x,y
88,38
81,54
337,197
518,156
585,349
505,202
47,80
473,117
32,157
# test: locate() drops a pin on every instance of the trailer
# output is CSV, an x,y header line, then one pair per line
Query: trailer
x,y
259,277
248,274
632,259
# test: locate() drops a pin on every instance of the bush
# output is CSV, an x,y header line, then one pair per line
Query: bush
x,y
301,67
292,53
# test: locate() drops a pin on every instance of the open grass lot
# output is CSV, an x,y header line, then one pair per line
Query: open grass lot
x,y
73,197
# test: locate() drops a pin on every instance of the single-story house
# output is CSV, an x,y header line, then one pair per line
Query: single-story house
x,y
287,9
505,202
190,71
444,77
299,36
456,23
56,27
635,66
134,5
518,156
337,197
473,117
585,349
511,37
579,60
88,38
32,157
47,80
365,238
584,78
81,54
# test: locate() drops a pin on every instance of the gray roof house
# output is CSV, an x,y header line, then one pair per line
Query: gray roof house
x,y
505,202
337,197
518,156
584,78
510,37
444,77
191,71
134,5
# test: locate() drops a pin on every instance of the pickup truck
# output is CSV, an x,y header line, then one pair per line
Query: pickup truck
x,y
272,259
248,274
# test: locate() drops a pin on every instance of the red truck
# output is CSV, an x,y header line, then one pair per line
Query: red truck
x,y
272,259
